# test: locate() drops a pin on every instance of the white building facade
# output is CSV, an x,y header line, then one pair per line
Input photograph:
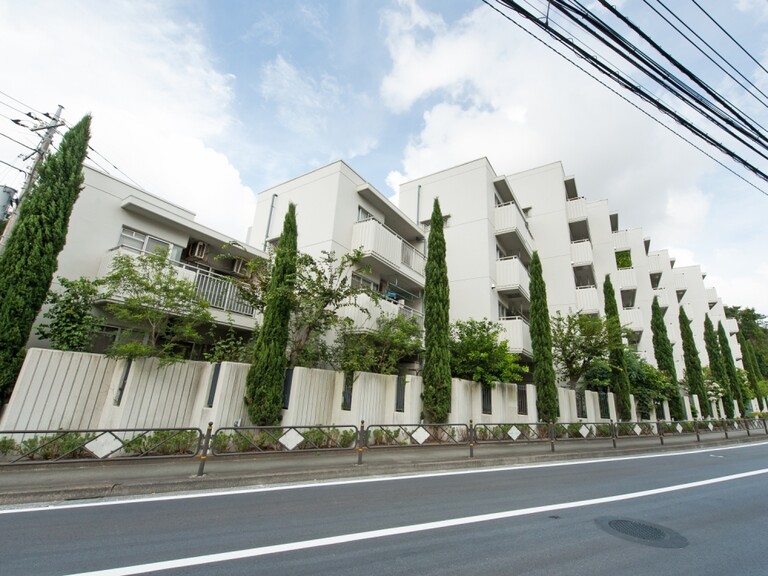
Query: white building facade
x,y
493,224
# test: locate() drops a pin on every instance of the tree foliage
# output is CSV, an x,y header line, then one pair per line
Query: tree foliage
x,y
161,310
753,374
264,383
30,258
322,292
547,403
436,374
619,378
730,368
396,339
71,322
753,326
694,377
665,359
650,386
717,369
578,340
479,355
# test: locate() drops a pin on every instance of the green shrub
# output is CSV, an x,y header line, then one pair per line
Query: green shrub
x,y
7,446
64,445
163,443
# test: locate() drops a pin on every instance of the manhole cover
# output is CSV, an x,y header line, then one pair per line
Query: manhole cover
x,y
642,532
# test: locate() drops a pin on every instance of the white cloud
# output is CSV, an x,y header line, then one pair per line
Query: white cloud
x,y
161,109
487,90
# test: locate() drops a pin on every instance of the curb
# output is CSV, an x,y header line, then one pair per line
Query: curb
x,y
212,481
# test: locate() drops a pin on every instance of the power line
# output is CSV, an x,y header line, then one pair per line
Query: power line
x,y
624,83
729,36
12,166
18,142
22,103
697,47
641,61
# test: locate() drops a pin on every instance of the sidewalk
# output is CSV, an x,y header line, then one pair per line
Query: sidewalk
x,y
38,483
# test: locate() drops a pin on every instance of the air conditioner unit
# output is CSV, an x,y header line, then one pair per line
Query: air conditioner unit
x,y
239,266
198,250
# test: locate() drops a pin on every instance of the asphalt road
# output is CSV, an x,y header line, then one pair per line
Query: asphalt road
x,y
702,512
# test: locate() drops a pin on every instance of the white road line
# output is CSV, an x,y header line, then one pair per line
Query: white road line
x,y
372,534
317,484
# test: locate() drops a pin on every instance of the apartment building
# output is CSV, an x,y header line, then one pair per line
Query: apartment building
x,y
113,217
493,223
338,211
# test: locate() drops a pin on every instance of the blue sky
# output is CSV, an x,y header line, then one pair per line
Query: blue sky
x,y
207,103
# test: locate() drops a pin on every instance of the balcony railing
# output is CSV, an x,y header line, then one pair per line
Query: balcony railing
x,y
215,289
507,218
655,263
632,318
662,296
587,300
581,253
511,275
375,310
375,238
517,334
576,209
711,296
626,278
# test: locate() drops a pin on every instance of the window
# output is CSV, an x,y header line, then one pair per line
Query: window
x,y
358,280
363,214
140,242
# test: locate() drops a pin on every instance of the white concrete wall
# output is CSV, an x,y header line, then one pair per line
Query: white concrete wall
x,y
76,390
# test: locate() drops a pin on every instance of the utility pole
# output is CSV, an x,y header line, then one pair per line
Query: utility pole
x,y
42,150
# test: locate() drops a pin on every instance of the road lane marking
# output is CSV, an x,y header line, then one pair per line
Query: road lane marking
x,y
400,530
348,481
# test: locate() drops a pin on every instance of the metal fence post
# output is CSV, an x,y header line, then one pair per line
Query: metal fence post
x,y
660,430
696,429
552,435
725,428
206,445
765,425
360,442
746,425
471,439
613,433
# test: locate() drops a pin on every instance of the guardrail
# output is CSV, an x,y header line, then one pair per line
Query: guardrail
x,y
28,446
18,447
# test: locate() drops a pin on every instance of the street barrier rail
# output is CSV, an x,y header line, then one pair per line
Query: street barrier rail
x,y
271,439
91,445
35,446
389,435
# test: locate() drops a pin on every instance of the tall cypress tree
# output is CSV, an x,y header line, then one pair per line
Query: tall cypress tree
x,y
436,397
748,359
665,359
619,377
730,367
541,341
264,384
693,374
717,368
31,255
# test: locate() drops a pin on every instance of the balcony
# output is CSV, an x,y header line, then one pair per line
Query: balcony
x,y
512,276
587,300
663,297
632,318
382,246
517,334
731,325
711,296
621,240
576,209
655,263
581,253
626,278
382,307
220,293
512,230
